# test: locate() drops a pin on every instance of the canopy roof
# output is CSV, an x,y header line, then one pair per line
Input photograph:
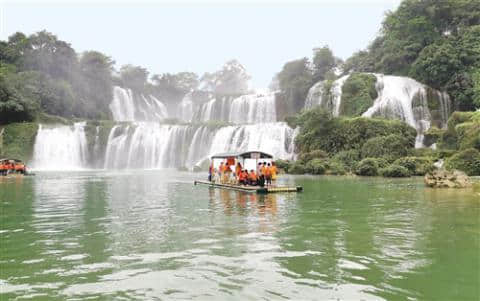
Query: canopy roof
x,y
248,154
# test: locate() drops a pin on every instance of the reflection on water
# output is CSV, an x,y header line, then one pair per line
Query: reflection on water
x,y
152,234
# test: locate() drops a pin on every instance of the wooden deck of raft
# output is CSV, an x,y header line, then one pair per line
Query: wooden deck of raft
x,y
251,189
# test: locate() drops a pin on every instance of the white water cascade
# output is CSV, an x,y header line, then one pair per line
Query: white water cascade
x,y
127,106
245,109
140,140
60,148
399,98
153,145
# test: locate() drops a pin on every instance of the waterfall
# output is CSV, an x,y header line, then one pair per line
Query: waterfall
x,y
255,108
127,106
245,109
185,109
153,145
60,148
317,95
399,98
139,139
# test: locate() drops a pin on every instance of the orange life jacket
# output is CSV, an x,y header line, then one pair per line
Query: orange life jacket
x,y
253,176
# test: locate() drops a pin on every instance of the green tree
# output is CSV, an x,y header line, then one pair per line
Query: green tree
x,y
294,80
323,62
134,77
94,85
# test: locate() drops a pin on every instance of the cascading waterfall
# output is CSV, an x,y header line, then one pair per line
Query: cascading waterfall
x,y
256,108
153,145
140,140
127,106
245,109
399,98
60,148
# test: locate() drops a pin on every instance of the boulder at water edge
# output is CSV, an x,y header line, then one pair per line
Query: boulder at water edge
x,y
441,178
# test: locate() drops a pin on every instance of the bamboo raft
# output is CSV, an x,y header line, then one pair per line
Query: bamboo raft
x,y
251,189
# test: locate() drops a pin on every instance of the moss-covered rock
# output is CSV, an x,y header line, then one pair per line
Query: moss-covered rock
x,y
97,132
467,160
395,171
417,166
17,140
358,94
367,167
432,136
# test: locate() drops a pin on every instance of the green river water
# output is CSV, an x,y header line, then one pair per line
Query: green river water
x,y
153,235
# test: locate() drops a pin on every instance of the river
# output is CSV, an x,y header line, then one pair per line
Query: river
x,y
153,235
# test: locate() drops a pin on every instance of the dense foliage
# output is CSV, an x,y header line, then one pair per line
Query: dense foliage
x,y
42,74
321,131
435,42
358,94
467,160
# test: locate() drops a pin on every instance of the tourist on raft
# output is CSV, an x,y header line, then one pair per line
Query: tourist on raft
x,y
238,171
243,177
274,172
268,174
252,178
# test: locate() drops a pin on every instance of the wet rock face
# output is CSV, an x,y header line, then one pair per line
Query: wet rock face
x,y
447,179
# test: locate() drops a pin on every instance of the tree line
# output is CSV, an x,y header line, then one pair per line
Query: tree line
x,y
435,42
42,74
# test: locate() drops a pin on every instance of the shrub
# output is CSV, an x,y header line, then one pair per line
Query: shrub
x,y
467,160
17,140
319,130
348,158
416,166
335,168
358,94
297,168
367,167
390,147
316,166
315,154
395,171
282,164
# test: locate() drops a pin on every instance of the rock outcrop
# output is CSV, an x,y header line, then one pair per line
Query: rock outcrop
x,y
447,179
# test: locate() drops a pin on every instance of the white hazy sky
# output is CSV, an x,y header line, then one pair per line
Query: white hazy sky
x,y
199,36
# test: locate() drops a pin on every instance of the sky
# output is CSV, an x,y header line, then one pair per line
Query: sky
x,y
200,36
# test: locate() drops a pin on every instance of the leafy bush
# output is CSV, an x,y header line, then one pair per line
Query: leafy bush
x,y
17,140
319,130
467,160
367,167
335,168
297,168
316,166
282,164
415,165
395,171
348,158
390,147
358,94
315,154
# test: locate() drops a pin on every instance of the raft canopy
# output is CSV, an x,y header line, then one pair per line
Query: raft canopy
x,y
243,155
